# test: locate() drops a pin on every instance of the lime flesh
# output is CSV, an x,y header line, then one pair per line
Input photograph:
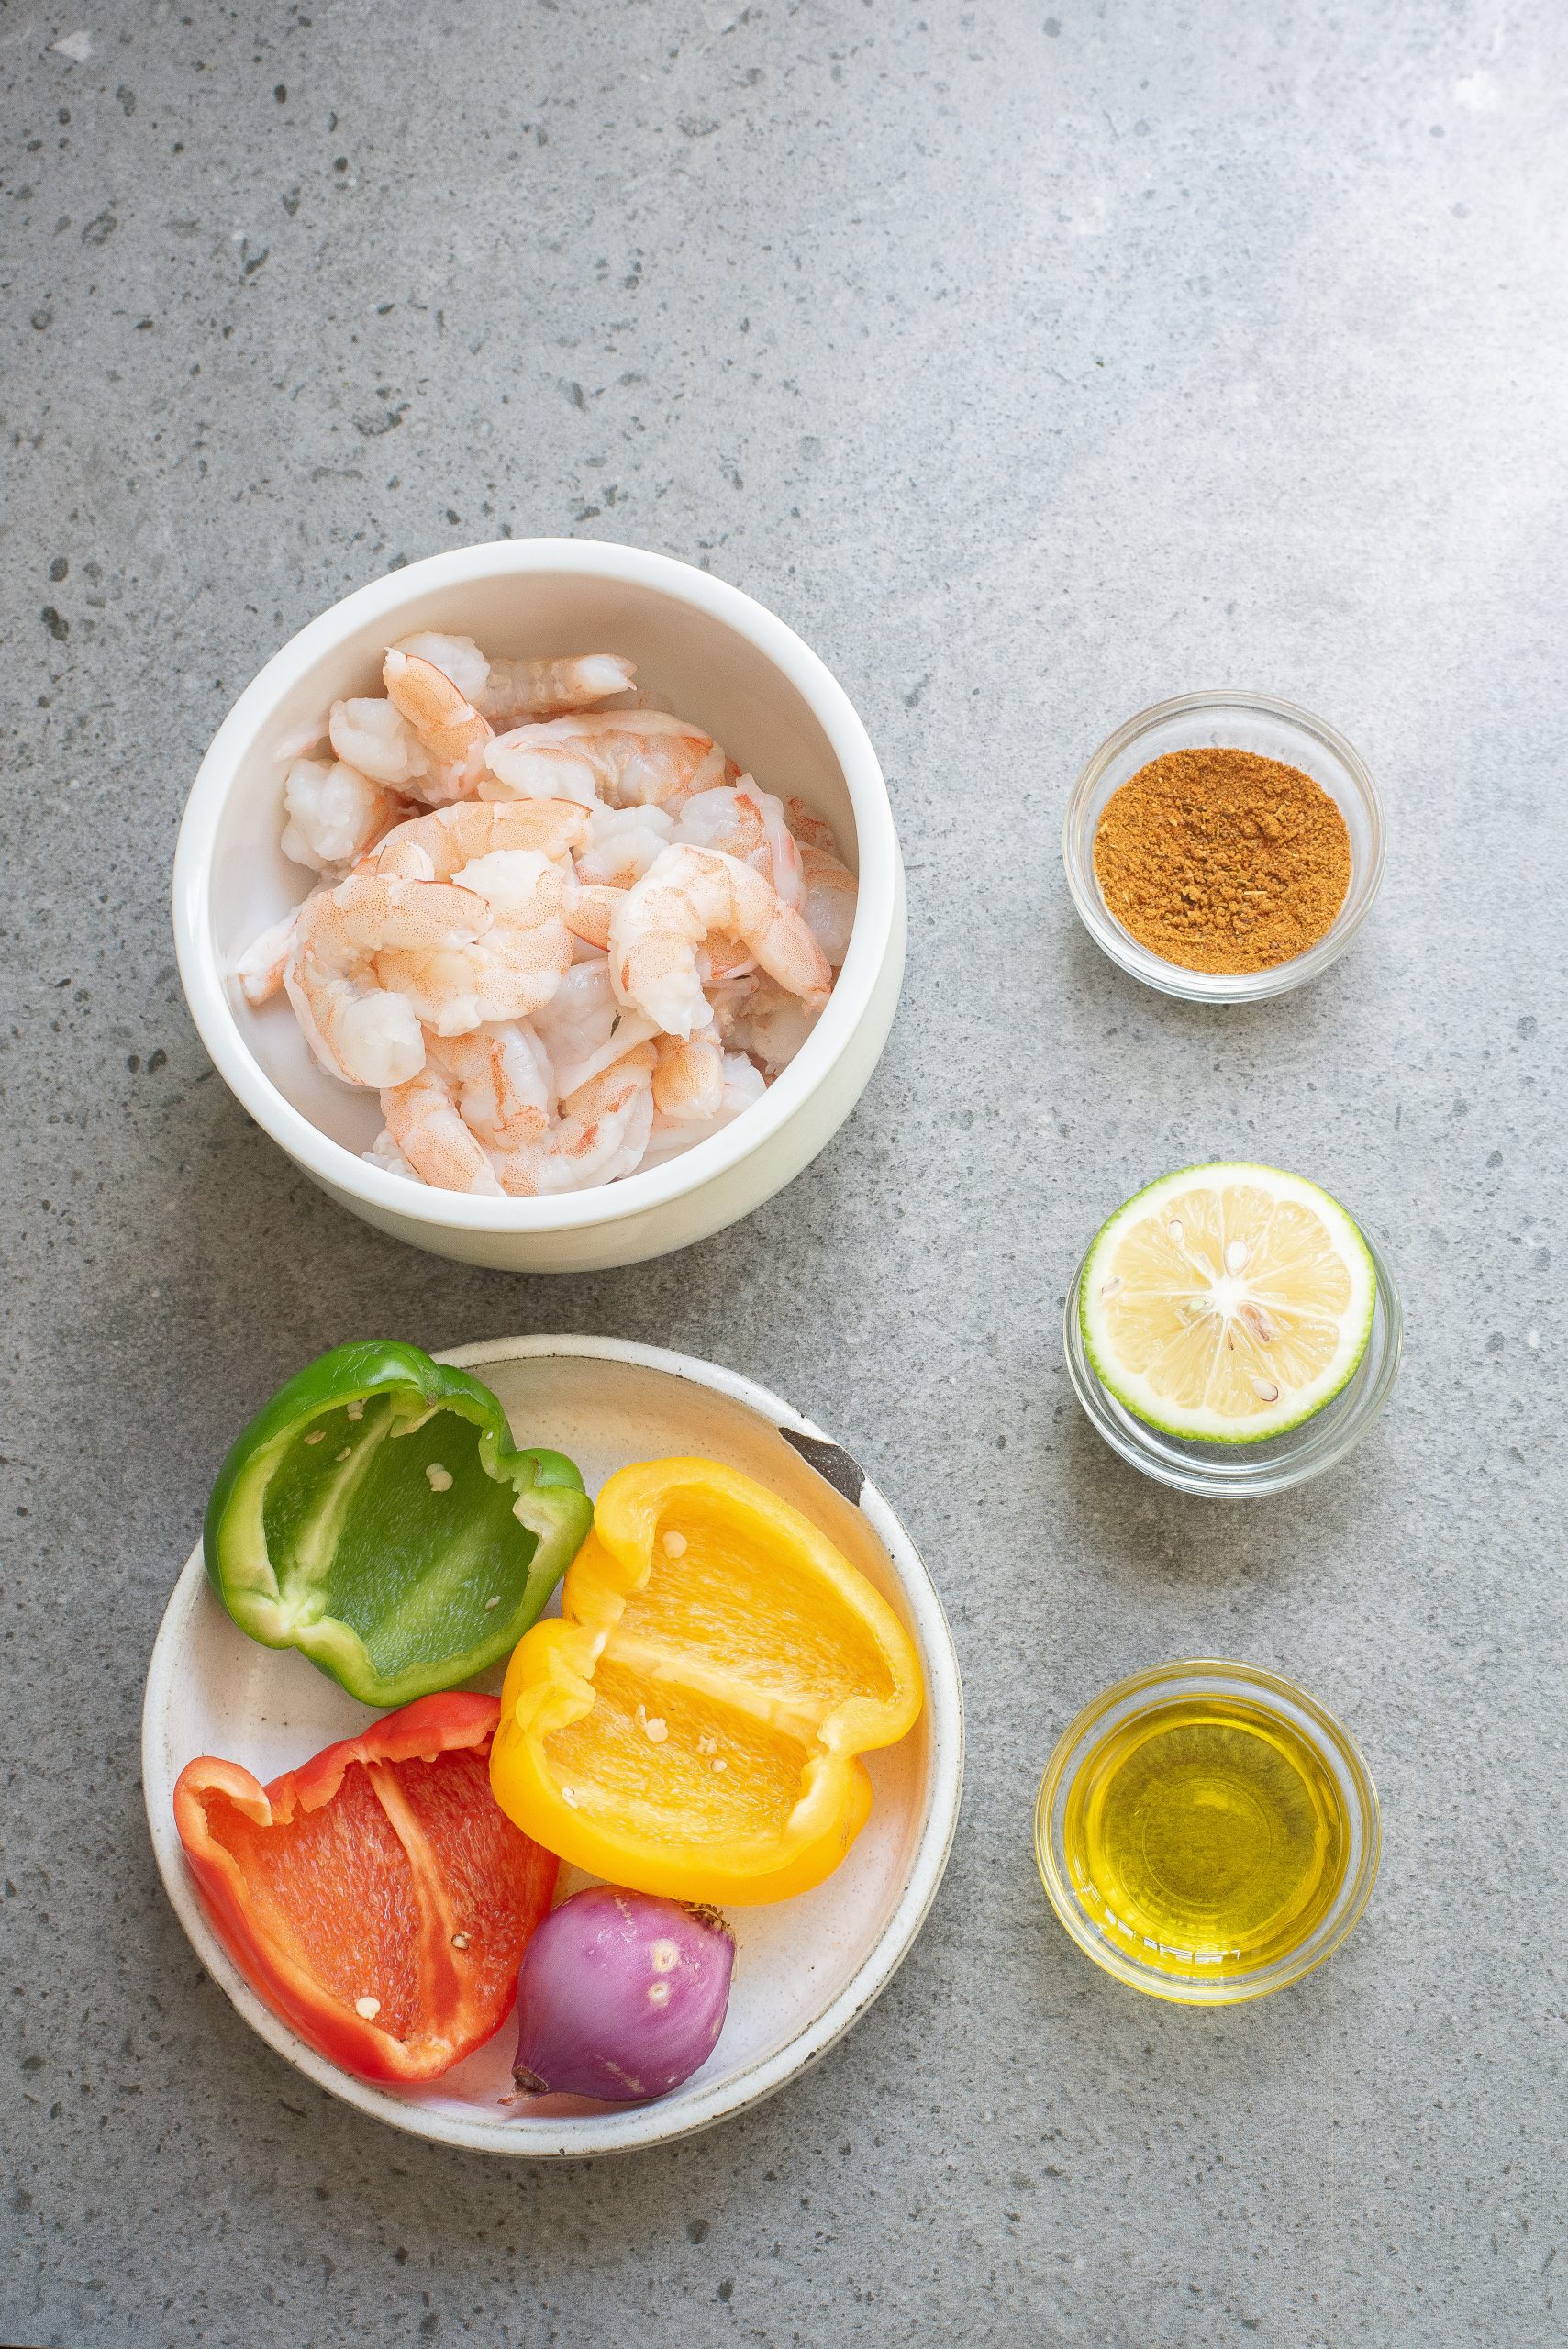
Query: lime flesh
x,y
1227,1303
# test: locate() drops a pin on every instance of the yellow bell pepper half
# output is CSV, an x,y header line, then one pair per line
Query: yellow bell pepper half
x,y
691,1725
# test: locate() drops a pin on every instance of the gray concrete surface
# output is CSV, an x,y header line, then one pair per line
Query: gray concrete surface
x,y
1035,365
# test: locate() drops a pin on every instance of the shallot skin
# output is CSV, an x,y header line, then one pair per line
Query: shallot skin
x,y
620,1996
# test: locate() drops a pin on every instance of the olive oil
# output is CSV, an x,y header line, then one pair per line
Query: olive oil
x,y
1205,1836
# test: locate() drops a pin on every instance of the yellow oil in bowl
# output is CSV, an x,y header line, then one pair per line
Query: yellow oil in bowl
x,y
1206,1832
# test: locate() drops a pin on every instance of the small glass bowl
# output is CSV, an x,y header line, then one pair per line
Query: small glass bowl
x,y
1237,721
1246,1471
1335,1750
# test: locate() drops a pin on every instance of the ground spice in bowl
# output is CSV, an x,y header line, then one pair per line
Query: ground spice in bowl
x,y
1218,860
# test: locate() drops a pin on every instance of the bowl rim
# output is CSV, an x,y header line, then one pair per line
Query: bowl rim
x,y
1220,986
1223,1990
612,2129
341,1169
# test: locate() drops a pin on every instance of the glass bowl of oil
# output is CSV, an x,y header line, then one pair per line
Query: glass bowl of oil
x,y
1207,1833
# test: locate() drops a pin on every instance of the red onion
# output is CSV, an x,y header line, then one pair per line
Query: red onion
x,y
620,1996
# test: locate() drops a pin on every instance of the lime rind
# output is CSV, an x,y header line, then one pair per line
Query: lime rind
x,y
1206,1427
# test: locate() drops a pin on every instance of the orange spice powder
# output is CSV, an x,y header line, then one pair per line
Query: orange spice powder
x,y
1222,860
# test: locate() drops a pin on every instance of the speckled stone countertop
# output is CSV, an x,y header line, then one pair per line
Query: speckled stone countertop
x,y
1035,366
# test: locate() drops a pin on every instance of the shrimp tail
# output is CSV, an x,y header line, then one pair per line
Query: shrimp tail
x,y
445,721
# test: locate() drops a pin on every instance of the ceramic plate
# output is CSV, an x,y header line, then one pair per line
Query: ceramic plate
x,y
806,1969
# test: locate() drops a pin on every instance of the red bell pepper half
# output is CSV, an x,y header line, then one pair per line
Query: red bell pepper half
x,y
378,1897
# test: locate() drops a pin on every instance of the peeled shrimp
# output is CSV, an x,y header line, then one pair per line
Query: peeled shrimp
x,y
584,1028
300,743
426,1126
358,1021
603,1127
588,913
505,969
384,1152
600,1132
505,1084
722,959
688,1078
743,1084
509,692
478,1098
370,736
449,730
829,901
622,843
632,758
759,1017
335,814
748,825
517,857
686,894
260,969
808,827
438,847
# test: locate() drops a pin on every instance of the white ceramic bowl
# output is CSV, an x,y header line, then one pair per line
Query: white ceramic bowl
x,y
806,1969
701,648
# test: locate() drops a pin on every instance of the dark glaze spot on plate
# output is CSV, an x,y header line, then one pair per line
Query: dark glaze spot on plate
x,y
831,1461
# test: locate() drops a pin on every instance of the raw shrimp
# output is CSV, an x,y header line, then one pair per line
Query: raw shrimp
x,y
300,743
358,1021
686,894
603,1127
829,901
439,846
809,828
688,1078
584,1028
478,1098
424,1125
588,914
632,758
335,814
600,1132
450,730
260,969
722,959
759,1017
505,970
509,692
748,825
505,1084
369,734
384,1152
622,844
517,857
743,1084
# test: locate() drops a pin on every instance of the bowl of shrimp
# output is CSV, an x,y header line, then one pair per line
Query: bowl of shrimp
x,y
542,901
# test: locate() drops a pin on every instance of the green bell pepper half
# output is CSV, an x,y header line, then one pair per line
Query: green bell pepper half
x,y
375,1516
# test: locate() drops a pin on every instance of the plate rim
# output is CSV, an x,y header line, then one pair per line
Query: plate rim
x,y
633,2127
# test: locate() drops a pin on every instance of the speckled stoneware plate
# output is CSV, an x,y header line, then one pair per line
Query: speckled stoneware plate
x,y
806,1969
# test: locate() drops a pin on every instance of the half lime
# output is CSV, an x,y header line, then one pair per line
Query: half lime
x,y
1227,1303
